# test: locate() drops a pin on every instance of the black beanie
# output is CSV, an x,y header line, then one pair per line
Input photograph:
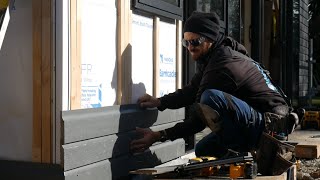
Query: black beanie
x,y
205,24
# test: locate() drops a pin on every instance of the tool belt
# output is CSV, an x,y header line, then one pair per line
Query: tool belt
x,y
273,157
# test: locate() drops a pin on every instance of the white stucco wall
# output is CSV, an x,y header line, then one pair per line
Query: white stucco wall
x,y
16,85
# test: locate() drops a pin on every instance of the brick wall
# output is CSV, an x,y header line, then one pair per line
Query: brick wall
x,y
303,47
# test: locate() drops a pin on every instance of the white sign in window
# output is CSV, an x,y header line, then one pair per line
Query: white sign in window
x,y
167,63
98,53
142,59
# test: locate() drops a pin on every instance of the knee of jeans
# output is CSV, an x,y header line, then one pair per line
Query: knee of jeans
x,y
200,150
210,95
215,150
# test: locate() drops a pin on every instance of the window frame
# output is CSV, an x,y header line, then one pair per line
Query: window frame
x,y
159,8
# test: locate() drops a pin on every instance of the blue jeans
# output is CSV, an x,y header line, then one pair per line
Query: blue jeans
x,y
241,126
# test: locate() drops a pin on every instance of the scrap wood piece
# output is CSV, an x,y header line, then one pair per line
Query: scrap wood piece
x,y
278,177
291,173
307,151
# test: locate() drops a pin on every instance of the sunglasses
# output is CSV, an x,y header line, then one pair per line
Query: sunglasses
x,y
193,42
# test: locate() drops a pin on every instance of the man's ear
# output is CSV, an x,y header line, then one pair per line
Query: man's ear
x,y
209,41
211,44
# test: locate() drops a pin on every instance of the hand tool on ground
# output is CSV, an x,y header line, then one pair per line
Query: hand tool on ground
x,y
241,165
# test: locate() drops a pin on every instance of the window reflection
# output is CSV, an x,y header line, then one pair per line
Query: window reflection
x,y
211,6
173,2
234,19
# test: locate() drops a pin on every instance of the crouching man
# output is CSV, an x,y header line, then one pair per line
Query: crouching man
x,y
230,93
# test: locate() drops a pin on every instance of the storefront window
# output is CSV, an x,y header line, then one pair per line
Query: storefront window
x,y
234,19
211,6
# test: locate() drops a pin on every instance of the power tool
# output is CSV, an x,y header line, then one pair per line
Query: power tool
x,y
234,166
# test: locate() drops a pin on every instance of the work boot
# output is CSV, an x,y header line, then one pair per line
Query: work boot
x,y
300,113
273,156
208,116
293,122
281,125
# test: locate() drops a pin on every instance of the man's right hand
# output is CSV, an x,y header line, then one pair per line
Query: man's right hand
x,y
148,138
147,101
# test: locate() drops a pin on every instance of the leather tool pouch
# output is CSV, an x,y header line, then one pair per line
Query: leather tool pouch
x,y
273,157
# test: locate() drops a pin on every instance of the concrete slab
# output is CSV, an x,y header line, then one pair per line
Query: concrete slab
x,y
308,143
305,136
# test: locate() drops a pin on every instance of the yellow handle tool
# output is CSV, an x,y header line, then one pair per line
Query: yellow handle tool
x,y
4,4
206,171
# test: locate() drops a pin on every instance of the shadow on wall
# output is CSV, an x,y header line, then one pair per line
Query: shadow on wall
x,y
131,116
130,92
123,160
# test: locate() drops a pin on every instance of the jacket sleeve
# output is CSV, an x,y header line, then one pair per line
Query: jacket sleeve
x,y
185,129
182,97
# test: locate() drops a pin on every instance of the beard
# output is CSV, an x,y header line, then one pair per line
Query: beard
x,y
195,54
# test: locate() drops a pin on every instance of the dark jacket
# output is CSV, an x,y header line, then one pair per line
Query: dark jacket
x,y
228,68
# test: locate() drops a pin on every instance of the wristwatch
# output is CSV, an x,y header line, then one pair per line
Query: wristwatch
x,y
163,136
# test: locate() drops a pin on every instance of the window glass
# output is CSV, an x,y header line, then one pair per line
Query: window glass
x,y
210,6
234,19
173,2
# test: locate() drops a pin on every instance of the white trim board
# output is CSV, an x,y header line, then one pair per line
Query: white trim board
x,y
4,26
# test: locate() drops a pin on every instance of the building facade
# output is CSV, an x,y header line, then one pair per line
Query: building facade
x,y
80,54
